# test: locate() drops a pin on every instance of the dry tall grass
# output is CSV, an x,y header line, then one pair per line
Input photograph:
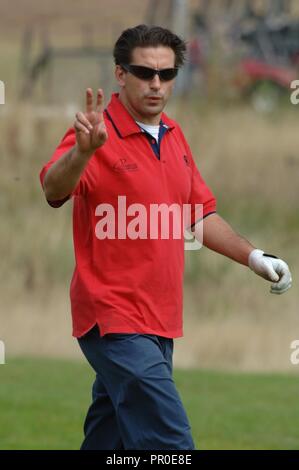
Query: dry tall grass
x,y
251,162
231,321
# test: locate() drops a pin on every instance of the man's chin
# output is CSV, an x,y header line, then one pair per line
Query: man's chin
x,y
153,110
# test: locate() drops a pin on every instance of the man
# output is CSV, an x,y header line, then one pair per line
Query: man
x,y
126,291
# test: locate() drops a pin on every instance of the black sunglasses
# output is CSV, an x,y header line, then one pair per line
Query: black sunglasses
x,y
146,73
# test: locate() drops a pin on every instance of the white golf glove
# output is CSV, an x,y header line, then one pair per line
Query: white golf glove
x,y
272,269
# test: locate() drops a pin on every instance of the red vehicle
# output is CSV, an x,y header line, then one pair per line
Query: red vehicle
x,y
270,65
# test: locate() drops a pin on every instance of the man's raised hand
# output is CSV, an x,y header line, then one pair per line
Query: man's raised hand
x,y
90,128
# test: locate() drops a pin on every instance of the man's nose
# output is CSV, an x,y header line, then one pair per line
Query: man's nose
x,y
155,83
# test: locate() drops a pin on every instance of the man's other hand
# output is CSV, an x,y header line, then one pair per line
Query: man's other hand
x,y
272,269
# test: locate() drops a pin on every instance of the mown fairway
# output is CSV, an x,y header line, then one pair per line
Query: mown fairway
x,y
43,404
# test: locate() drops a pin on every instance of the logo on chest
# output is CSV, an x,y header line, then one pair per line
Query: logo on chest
x,y
123,165
187,160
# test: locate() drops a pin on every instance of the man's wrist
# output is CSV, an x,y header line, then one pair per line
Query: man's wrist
x,y
81,155
256,252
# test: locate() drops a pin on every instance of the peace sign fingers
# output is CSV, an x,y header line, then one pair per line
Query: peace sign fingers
x,y
90,129
100,101
89,100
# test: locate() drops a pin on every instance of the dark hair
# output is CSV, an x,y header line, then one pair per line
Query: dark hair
x,y
148,36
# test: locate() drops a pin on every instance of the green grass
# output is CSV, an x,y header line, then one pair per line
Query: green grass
x,y
43,403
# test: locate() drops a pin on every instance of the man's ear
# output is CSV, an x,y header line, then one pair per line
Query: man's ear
x,y
120,75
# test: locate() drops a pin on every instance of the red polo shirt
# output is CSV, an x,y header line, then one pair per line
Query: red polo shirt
x,y
128,285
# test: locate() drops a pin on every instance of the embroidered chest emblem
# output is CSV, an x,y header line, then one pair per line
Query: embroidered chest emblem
x,y
187,161
123,165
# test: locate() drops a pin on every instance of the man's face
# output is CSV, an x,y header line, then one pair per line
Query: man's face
x,y
139,95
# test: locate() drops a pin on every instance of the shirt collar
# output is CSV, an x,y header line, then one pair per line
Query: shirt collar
x,y
124,122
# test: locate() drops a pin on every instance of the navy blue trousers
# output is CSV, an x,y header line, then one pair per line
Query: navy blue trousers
x,y
135,404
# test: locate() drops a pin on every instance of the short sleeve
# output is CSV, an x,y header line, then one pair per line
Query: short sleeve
x,y
200,193
67,142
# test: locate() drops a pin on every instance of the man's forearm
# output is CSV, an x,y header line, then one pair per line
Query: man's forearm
x,y
219,236
63,176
